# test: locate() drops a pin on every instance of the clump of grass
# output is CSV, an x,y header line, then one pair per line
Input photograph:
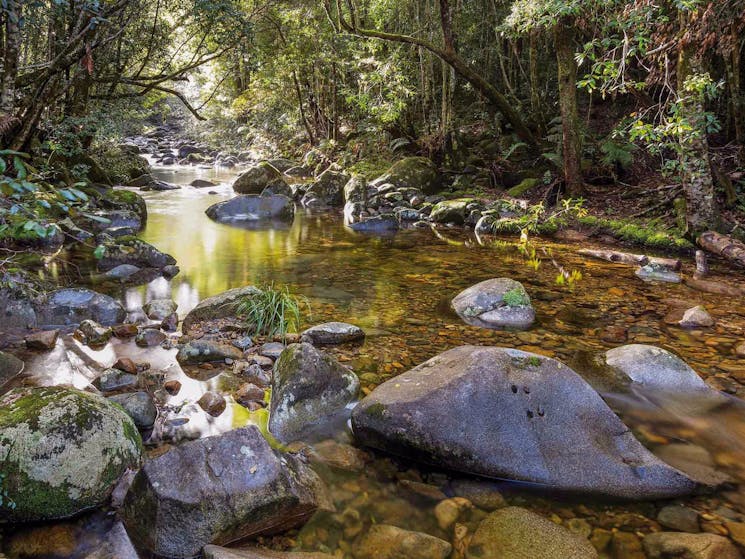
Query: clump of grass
x,y
273,311
516,298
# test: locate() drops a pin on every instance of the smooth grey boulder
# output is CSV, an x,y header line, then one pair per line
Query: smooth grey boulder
x,y
253,208
330,333
238,487
67,307
158,309
217,552
62,452
517,533
220,306
653,367
504,413
139,406
255,179
308,386
669,545
499,303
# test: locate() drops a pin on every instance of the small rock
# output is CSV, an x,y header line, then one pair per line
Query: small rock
x,y
664,545
495,303
736,532
150,337
341,456
680,518
173,387
484,494
170,271
740,350
170,323
114,379
158,309
243,343
262,361
388,542
579,526
272,350
125,330
127,365
654,272
615,335
44,341
627,546
423,490
93,334
249,392
139,406
696,317
212,403
334,333
206,351
448,511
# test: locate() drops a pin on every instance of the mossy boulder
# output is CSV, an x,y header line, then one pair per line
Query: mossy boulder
x,y
259,177
62,451
133,251
121,199
452,211
525,186
221,306
414,172
328,190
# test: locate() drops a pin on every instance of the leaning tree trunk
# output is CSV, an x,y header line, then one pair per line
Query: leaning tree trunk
x,y
695,168
571,141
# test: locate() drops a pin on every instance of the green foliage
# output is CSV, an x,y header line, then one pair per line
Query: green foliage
x,y
516,297
617,152
273,311
643,235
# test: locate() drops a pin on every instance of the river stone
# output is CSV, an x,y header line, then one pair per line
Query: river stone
x,y
45,340
115,379
201,183
517,533
139,406
253,208
389,542
655,272
135,252
377,224
328,190
222,305
653,367
212,403
451,211
158,309
216,552
308,386
504,413
696,317
672,545
63,451
413,172
238,488
10,366
93,334
355,191
150,337
255,179
67,307
678,517
331,333
206,351
122,272
495,303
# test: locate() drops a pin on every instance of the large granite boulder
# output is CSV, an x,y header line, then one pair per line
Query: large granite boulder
x,y
251,208
72,306
328,190
413,172
505,413
499,303
221,306
255,179
517,533
238,487
62,451
308,386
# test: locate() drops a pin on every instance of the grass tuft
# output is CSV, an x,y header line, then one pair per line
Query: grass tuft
x,y
273,311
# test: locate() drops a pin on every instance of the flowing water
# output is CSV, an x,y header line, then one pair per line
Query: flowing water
x,y
398,289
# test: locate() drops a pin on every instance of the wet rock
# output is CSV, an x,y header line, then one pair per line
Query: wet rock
x,y
173,387
238,488
215,552
415,172
256,374
158,309
125,331
206,351
139,406
451,211
249,392
696,317
212,403
149,337
328,190
170,323
135,252
272,350
114,379
652,367
331,333
340,456
510,414
255,179
220,306
448,512
517,533
307,387
253,208
63,451
680,518
127,365
10,366
482,493
93,334
262,361
72,306
355,191
170,271
655,272
669,545
626,545
495,303
123,272
243,343
389,542
45,340
377,224
201,183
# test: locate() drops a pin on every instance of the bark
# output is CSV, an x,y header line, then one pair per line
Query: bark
x,y
725,246
702,265
633,259
11,53
717,287
571,141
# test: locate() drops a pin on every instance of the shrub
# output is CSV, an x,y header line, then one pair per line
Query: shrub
x,y
272,311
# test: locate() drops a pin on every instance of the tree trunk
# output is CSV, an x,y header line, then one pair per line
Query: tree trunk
x,y
571,141
11,52
725,246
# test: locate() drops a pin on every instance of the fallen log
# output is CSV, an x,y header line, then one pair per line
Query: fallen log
x,y
725,246
632,259
717,287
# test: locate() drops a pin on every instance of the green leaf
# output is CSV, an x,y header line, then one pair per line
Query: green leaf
x,y
19,167
99,252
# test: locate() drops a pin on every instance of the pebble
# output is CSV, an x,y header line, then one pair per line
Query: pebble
x,y
680,518
44,341
212,403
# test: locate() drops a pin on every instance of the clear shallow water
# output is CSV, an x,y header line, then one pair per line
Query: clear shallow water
x,y
398,289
